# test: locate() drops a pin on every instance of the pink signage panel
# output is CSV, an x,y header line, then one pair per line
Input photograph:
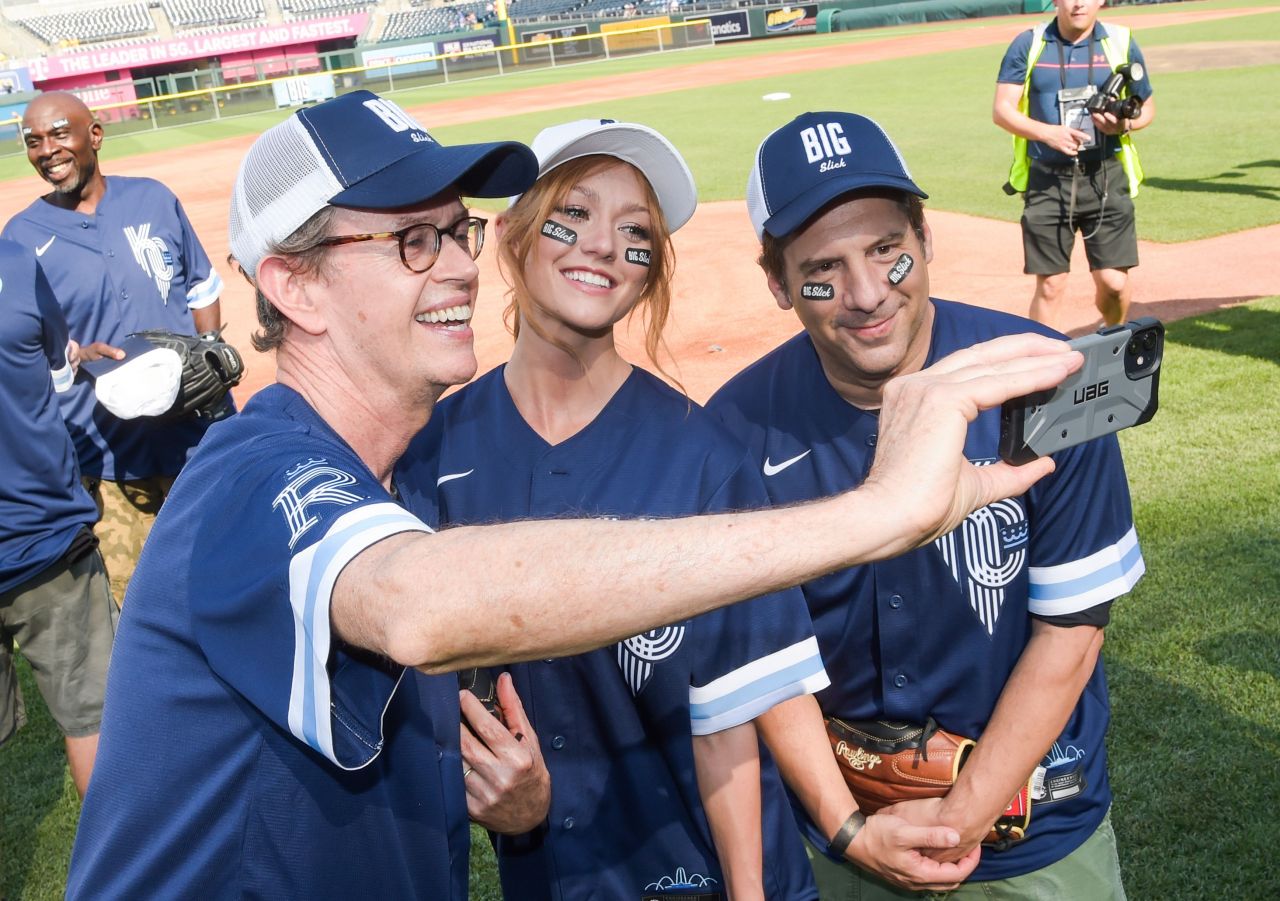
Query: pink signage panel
x,y
84,62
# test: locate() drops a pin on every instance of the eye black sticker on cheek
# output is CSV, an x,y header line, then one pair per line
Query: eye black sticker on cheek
x,y
60,123
558,232
817,291
901,269
637,255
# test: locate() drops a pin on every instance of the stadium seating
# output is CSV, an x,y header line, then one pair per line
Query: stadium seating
x,y
197,13
303,8
434,20
90,25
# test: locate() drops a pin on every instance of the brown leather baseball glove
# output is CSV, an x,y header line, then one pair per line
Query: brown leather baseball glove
x,y
885,762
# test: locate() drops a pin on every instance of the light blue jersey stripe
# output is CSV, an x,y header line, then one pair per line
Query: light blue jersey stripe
x,y
205,293
770,684
1116,570
344,541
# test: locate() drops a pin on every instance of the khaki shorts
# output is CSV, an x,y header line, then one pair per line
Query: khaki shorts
x,y
1109,228
64,622
126,512
1091,871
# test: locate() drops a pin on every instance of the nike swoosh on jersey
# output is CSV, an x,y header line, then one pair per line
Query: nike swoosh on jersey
x,y
40,250
453,475
772,469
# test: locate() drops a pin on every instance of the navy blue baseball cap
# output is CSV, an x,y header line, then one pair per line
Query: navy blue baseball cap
x,y
813,159
361,151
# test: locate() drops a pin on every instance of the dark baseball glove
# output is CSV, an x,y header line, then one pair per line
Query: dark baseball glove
x,y
886,762
210,368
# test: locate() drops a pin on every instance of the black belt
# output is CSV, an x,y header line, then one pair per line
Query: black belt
x,y
1088,167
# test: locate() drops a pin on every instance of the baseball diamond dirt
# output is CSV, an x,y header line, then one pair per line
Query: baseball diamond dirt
x,y
722,315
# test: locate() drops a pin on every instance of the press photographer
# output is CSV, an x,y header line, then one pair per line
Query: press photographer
x,y
1071,91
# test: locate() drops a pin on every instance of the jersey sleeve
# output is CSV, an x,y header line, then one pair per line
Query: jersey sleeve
x,y
1013,68
1083,545
1141,87
54,339
204,285
754,654
261,617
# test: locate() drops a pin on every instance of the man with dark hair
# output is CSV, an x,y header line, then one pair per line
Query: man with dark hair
x,y
121,257
264,667
992,631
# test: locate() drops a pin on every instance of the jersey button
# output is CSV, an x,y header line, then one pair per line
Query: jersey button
x,y
558,742
124,295
896,601
899,680
84,223
871,440
568,822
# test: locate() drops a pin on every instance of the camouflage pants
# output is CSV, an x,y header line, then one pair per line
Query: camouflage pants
x,y
126,511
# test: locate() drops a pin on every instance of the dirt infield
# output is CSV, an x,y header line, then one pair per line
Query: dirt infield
x,y
722,316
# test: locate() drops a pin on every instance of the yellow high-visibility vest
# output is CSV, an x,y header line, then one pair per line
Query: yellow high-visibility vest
x,y
1115,46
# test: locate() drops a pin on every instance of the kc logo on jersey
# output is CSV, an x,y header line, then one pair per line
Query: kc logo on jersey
x,y
153,256
823,143
310,483
985,554
637,655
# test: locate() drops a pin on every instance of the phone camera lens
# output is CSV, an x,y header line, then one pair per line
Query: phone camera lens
x,y
1149,341
1133,347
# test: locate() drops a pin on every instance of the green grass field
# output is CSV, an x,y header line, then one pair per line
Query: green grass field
x,y
1194,652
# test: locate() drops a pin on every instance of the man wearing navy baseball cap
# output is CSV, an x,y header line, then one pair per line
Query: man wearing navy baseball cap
x,y
264,670
991,632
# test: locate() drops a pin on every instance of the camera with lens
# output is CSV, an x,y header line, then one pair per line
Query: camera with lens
x,y
1108,99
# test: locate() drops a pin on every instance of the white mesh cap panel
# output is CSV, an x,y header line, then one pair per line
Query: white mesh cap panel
x,y
283,182
757,207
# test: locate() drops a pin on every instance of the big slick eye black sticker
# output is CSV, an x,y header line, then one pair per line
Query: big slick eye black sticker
x,y
637,255
557,232
901,269
817,291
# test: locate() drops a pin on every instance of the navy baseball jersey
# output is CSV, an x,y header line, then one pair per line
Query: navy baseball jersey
x,y
937,632
616,724
42,504
245,750
1064,65
133,264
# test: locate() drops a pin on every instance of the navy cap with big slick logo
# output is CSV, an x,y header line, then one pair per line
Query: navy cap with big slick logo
x,y
362,151
812,160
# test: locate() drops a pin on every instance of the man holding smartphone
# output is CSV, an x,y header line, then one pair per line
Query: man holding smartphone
x,y
993,630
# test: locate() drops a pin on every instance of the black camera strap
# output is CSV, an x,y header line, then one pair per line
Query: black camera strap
x,y
1077,170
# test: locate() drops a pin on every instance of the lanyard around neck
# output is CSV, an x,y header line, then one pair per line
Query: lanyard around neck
x,y
1062,59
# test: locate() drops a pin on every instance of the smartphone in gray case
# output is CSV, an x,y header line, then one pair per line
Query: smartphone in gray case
x,y
1117,387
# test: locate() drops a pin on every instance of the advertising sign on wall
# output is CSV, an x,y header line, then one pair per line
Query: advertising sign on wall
x,y
302,89
732,26
562,50
405,60
791,19
198,46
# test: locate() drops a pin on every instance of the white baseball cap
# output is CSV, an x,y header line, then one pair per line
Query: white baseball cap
x,y
641,146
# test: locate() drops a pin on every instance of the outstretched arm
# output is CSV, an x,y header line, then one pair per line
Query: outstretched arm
x,y
484,595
